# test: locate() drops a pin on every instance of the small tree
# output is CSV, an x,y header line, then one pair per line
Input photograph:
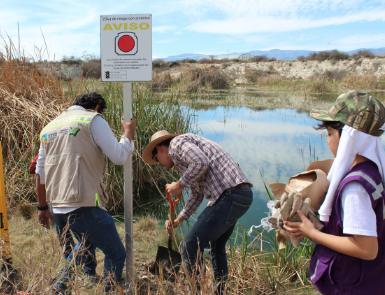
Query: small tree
x,y
212,57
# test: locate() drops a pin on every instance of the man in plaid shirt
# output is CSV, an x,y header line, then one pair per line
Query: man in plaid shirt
x,y
210,172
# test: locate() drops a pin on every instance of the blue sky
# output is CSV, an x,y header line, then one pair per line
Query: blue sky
x,y
199,26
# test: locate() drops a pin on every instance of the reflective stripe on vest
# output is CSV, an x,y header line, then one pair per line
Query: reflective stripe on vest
x,y
97,202
83,119
315,271
379,188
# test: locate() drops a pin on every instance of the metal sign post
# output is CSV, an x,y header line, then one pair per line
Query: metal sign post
x,y
130,280
126,56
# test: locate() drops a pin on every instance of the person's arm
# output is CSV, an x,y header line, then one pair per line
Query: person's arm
x,y
105,139
363,247
44,216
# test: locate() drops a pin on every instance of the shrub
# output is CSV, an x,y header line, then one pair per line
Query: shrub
x,y
92,68
381,82
301,58
328,55
226,65
259,58
363,54
204,60
272,59
173,64
335,75
158,63
71,60
337,55
161,81
270,79
211,77
319,86
188,60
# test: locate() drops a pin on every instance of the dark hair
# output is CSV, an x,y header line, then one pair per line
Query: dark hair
x,y
90,101
333,124
165,143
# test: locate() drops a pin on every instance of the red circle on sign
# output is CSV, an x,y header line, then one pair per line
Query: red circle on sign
x,y
126,43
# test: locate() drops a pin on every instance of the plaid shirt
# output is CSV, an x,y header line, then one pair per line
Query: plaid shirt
x,y
206,169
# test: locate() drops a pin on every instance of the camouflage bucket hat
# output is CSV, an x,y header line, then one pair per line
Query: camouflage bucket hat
x,y
356,109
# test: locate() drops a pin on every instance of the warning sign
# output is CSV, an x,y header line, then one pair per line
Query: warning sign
x,y
126,47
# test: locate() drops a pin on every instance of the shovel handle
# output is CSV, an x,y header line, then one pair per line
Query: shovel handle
x,y
172,201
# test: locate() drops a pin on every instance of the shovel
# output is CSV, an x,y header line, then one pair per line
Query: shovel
x,y
168,261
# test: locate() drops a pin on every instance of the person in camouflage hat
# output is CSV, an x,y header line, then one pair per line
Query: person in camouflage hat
x,y
356,109
350,255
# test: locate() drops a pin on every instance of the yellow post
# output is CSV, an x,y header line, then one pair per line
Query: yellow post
x,y
3,213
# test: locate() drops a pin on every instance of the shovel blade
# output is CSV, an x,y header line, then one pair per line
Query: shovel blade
x,y
167,262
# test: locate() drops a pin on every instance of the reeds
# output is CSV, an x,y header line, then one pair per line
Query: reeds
x,y
197,80
30,97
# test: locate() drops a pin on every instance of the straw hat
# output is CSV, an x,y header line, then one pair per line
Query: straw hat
x,y
156,139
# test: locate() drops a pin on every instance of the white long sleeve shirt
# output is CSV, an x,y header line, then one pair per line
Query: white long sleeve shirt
x,y
103,138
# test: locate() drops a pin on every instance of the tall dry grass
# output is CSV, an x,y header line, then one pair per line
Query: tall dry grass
x,y
29,99
198,80
38,258
367,81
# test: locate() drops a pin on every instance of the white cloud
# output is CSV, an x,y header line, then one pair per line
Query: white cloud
x,y
359,40
166,40
277,8
163,29
157,57
249,24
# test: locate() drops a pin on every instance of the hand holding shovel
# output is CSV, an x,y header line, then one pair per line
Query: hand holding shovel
x,y
167,261
170,223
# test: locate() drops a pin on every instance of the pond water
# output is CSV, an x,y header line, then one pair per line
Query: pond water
x,y
277,143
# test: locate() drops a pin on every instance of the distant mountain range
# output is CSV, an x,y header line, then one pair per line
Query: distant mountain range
x,y
276,53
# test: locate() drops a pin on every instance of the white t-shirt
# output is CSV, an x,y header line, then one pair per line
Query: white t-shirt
x,y
357,213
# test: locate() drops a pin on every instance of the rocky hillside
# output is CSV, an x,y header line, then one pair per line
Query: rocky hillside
x,y
242,72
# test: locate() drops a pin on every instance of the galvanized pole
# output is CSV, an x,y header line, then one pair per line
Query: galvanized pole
x,y
128,218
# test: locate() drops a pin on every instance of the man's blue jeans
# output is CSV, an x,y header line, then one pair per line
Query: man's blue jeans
x,y
67,243
212,230
95,227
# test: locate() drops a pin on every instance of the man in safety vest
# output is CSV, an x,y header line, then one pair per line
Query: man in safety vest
x,y
70,172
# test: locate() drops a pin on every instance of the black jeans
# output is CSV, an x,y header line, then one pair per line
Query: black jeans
x,y
212,230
